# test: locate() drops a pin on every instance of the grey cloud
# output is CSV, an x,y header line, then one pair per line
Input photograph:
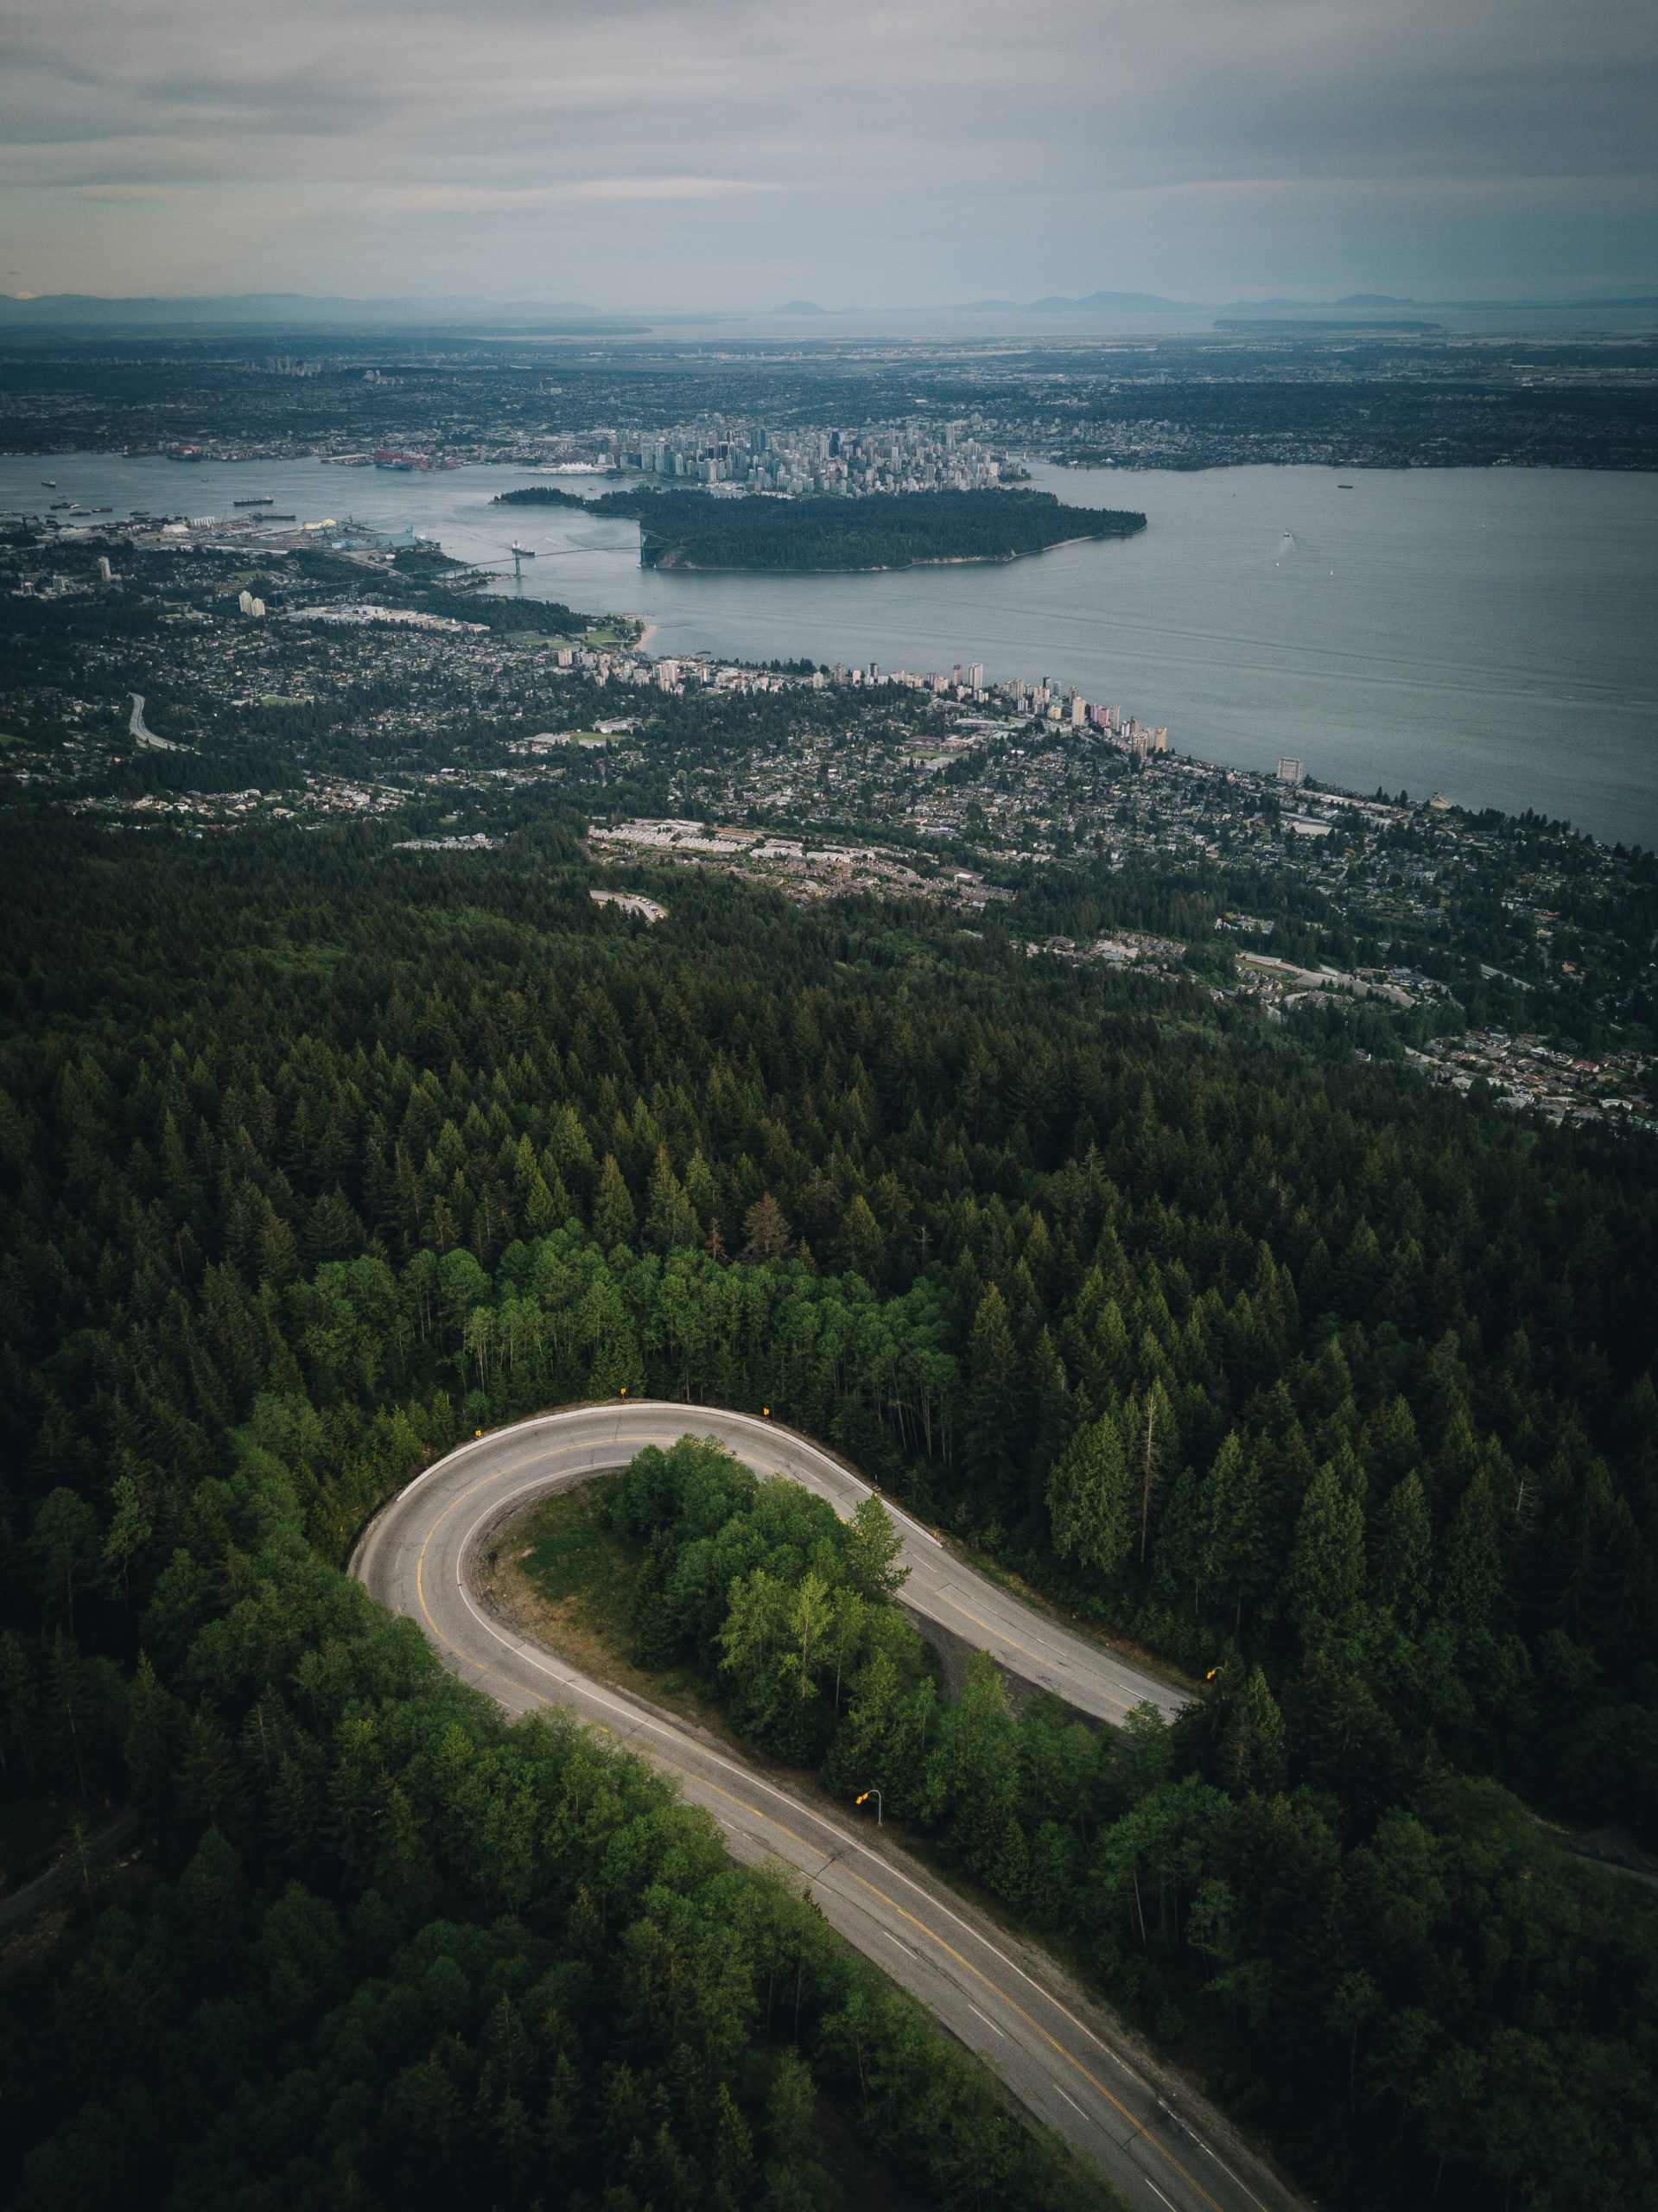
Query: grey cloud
x,y
653,148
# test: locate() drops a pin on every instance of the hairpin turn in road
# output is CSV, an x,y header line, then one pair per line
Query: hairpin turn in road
x,y
1154,2140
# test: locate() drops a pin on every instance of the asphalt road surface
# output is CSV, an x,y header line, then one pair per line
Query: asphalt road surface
x,y
141,729
1151,2137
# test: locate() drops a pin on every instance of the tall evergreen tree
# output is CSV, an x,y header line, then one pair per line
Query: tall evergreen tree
x,y
1091,1499
1325,1578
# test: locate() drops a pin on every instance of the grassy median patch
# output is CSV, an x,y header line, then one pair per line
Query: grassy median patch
x,y
561,1574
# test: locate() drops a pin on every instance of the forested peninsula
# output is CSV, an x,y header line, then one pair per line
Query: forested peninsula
x,y
539,495
905,530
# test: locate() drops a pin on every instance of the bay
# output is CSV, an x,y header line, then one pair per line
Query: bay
x,y
1489,633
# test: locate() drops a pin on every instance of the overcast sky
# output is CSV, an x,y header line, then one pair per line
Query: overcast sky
x,y
705,154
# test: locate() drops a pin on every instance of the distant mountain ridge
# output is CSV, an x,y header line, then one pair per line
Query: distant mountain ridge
x,y
1351,302
1366,301
305,311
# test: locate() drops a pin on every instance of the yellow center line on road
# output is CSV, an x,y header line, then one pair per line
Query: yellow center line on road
x,y
1136,2127
472,1488
1012,1642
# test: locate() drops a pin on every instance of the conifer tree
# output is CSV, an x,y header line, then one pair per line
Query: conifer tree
x,y
155,1732
1229,1528
1253,1751
671,1218
767,1232
1472,1575
63,1544
992,1411
1403,1552
1090,1499
1325,1577
615,1221
860,1240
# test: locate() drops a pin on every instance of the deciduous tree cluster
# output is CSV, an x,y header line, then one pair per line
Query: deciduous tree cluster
x,y
1385,1962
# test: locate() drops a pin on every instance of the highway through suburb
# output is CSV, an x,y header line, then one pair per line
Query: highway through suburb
x,y
138,727
1154,2140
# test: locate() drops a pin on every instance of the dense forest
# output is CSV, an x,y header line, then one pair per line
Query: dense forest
x,y
1189,1867
1173,1862
314,1155
416,1953
538,495
694,530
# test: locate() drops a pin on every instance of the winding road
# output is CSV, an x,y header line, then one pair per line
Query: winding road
x,y
140,728
1153,2139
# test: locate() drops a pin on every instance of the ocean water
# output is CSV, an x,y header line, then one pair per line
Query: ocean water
x,y
1489,633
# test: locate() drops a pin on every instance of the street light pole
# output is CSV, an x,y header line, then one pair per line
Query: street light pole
x,y
863,1798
